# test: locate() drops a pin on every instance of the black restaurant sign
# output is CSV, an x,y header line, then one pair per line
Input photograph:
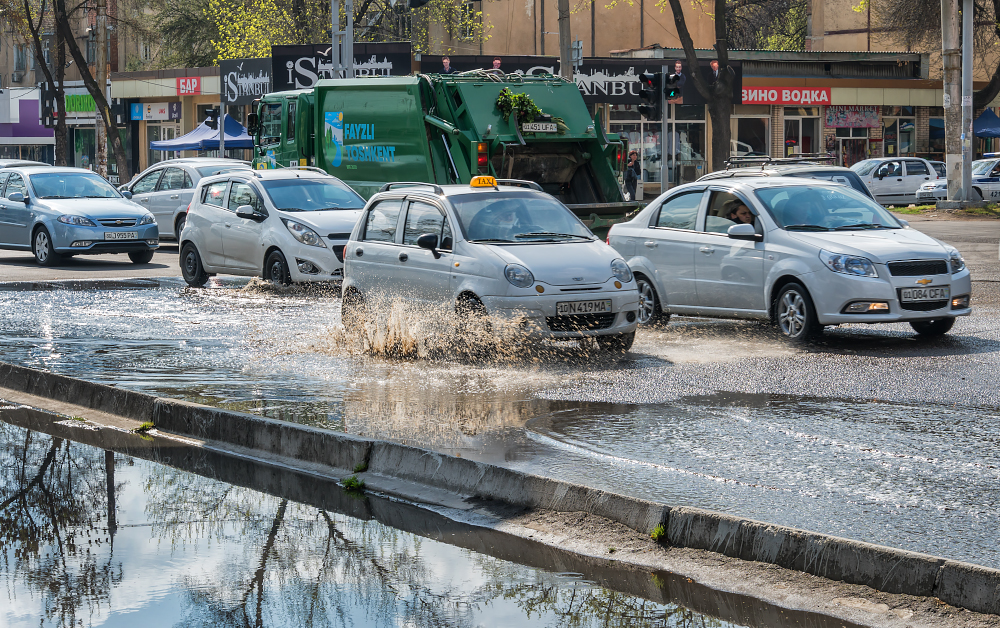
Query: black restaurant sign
x,y
299,67
244,80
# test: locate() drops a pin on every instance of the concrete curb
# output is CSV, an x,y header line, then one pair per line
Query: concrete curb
x,y
882,568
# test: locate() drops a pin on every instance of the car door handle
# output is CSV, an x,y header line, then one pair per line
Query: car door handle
x,y
174,197
228,226
650,244
707,250
927,178
898,179
403,257
144,200
359,251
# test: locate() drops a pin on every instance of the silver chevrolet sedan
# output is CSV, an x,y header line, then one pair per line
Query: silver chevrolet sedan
x,y
61,212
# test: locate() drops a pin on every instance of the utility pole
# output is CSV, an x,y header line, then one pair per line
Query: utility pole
x,y
952,98
101,136
222,119
342,52
565,42
967,136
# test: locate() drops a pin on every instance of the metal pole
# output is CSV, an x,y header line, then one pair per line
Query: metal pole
x,y
952,98
342,51
222,121
967,136
565,42
664,169
100,135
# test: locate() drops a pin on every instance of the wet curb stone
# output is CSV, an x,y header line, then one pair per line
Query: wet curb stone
x,y
882,568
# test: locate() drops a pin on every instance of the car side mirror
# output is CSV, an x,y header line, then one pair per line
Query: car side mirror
x,y
253,120
905,223
744,232
17,197
247,211
127,194
429,241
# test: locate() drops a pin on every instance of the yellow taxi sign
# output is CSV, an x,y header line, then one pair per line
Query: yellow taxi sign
x,y
483,181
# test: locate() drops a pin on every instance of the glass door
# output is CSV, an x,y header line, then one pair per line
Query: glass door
x,y
157,132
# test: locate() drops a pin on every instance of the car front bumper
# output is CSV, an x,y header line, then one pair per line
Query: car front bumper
x,y
833,292
313,263
79,240
932,195
536,314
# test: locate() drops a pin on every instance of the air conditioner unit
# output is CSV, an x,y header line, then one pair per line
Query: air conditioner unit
x,y
16,77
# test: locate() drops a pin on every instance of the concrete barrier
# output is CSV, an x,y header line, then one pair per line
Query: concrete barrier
x,y
882,568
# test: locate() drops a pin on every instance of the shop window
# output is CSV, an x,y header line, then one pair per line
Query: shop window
x,y
624,112
898,135
898,111
750,138
801,111
936,135
689,112
862,133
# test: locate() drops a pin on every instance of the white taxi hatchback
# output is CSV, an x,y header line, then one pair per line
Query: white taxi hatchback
x,y
287,225
503,249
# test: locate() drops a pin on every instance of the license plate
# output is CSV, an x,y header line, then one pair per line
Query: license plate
x,y
570,308
931,293
538,127
121,235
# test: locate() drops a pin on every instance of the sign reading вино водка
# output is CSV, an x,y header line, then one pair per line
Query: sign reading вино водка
x,y
786,95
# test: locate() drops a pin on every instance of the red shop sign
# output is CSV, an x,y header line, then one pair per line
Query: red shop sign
x,y
188,85
786,96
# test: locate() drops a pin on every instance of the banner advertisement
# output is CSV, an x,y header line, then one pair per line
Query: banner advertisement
x,y
244,80
786,95
299,67
852,117
155,110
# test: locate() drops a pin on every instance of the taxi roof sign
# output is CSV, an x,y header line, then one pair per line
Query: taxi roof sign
x,y
483,181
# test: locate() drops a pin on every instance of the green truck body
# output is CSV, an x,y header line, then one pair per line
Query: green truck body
x,y
446,129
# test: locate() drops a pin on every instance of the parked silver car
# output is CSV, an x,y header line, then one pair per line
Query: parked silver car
x,y
895,181
166,188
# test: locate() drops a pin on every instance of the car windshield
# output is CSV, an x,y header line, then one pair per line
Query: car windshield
x,y
310,195
804,208
981,166
864,167
516,217
207,171
843,177
71,185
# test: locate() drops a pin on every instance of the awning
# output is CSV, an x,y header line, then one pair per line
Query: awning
x,y
205,138
987,125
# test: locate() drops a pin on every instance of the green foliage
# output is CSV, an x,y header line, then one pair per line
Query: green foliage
x,y
789,33
361,467
659,532
508,102
248,29
186,35
353,484
145,427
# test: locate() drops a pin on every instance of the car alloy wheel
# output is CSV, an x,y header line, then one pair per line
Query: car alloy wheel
x,y
649,312
45,255
795,314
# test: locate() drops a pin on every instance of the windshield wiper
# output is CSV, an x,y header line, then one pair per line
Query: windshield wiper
x,y
545,233
490,240
860,225
96,196
806,228
289,209
56,197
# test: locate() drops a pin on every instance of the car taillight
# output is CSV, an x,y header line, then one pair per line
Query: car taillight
x,y
608,241
482,160
188,210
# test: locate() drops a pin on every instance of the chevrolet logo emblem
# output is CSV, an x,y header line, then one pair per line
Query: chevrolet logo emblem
x,y
923,282
119,222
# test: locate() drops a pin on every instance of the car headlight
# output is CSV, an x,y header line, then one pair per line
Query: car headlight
x,y
848,264
621,271
303,234
518,275
956,260
79,221
146,220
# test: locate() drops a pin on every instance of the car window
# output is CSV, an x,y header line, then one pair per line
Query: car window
x,y
172,179
680,211
215,194
270,123
725,210
15,184
70,185
3,179
242,193
290,126
422,218
207,171
147,183
308,195
525,217
380,224
940,168
807,208
890,169
914,167
188,184
843,177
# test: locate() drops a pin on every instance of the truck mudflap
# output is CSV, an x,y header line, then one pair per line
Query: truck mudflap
x,y
600,216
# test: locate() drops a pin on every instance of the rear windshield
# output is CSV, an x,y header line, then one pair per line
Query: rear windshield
x,y
521,217
808,208
207,171
309,195
837,176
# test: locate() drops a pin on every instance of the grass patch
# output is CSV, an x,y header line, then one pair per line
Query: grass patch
x,y
659,532
990,211
612,550
145,427
361,467
353,484
78,418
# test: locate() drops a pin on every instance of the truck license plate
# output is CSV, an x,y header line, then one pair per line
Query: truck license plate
x,y
569,308
930,293
538,127
121,235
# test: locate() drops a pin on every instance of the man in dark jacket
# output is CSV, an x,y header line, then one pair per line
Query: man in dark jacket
x,y
632,172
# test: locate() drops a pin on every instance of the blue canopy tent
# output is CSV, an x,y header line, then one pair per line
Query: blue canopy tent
x,y
987,125
205,138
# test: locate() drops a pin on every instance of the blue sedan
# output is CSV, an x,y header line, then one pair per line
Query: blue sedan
x,y
60,212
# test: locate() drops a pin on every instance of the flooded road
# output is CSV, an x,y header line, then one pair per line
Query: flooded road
x,y
93,537
872,434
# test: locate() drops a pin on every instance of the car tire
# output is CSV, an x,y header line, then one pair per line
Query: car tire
x,y
41,246
276,269
933,327
472,316
191,268
619,343
795,314
180,226
352,310
650,313
141,257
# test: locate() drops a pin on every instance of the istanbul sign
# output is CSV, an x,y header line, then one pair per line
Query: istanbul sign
x,y
244,80
786,96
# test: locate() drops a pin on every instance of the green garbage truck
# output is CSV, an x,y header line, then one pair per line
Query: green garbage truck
x,y
445,129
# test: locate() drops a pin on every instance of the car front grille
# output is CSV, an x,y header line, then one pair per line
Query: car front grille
x,y
923,306
118,222
916,268
580,322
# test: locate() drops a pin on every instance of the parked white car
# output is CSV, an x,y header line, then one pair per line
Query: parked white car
x,y
895,181
501,249
287,225
985,183
807,254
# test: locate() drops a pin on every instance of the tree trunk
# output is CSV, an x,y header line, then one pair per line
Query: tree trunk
x,y
62,130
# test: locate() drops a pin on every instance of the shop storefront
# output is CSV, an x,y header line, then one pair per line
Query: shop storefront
x,y
685,142
22,135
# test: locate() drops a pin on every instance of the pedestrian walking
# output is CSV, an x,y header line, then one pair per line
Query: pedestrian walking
x,y
632,172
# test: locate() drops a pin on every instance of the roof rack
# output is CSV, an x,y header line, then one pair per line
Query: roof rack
x,y
520,183
765,160
309,168
409,184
